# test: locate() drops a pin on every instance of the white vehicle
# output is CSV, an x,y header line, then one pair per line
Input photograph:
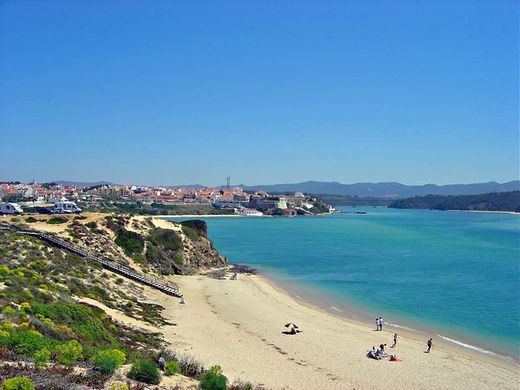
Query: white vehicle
x,y
10,208
65,208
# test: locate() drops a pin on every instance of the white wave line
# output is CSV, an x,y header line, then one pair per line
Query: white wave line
x,y
335,308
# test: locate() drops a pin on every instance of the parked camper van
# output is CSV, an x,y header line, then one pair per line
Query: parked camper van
x,y
65,208
10,208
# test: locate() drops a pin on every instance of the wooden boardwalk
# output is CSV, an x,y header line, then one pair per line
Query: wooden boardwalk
x,y
108,264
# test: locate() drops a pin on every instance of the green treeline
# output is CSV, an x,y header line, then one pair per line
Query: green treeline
x,y
494,201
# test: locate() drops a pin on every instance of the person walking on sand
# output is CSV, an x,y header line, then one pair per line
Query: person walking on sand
x,y
377,323
380,323
429,343
395,341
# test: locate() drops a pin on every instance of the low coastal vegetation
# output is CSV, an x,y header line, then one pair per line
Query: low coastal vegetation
x,y
53,334
57,220
43,319
139,208
194,229
165,251
495,201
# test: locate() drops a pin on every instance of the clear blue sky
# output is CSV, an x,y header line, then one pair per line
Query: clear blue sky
x,y
267,92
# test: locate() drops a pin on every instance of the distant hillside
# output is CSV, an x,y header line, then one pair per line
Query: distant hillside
x,y
195,186
389,190
347,200
83,184
496,201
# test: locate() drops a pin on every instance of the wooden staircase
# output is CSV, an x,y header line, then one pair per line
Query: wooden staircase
x,y
108,264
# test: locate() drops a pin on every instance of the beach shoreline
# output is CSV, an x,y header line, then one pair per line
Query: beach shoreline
x,y
239,325
359,315
400,322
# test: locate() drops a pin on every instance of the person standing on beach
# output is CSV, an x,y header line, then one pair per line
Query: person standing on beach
x,y
395,341
380,323
429,344
161,363
377,323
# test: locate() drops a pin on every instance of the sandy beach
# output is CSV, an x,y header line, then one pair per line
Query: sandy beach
x,y
238,325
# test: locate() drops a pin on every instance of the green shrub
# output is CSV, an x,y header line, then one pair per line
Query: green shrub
x,y
4,270
38,266
153,253
31,220
139,258
25,307
57,220
213,379
108,360
200,227
190,233
69,352
25,342
85,321
171,368
42,357
91,225
118,386
79,217
131,242
145,371
166,238
19,383
179,260
9,311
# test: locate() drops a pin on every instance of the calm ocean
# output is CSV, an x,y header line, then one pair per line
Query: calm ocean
x,y
454,274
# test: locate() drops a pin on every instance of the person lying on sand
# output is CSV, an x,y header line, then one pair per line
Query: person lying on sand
x,y
373,354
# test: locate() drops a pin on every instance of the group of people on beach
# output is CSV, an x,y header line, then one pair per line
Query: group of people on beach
x,y
380,353
379,323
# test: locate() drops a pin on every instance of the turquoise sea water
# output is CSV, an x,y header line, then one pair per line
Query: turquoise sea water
x,y
455,274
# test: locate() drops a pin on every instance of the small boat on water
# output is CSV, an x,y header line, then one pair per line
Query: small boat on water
x,y
251,213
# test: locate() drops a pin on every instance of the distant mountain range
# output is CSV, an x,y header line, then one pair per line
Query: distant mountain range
x,y
108,183
83,184
196,186
390,190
